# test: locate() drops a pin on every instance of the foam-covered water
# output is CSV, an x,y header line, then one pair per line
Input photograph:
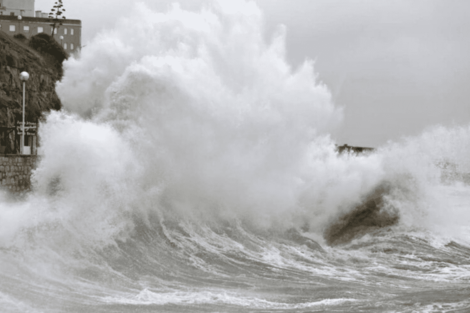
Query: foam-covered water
x,y
192,170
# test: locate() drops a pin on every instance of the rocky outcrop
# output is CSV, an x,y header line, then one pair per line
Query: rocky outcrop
x,y
16,56
368,216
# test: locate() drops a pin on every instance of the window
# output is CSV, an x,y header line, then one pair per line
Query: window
x,y
26,28
71,46
65,46
12,28
12,13
71,31
55,31
65,31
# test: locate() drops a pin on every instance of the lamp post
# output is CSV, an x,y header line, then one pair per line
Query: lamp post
x,y
24,76
19,26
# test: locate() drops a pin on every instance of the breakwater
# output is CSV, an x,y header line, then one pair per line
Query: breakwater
x,y
15,172
351,149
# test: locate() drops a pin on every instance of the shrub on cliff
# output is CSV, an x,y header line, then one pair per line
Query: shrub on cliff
x,y
50,49
20,37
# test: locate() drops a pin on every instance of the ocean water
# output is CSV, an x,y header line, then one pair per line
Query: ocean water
x,y
192,170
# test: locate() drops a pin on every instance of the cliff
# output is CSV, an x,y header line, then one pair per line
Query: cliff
x,y
17,55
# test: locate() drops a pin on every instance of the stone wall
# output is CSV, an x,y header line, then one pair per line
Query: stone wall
x,y
15,172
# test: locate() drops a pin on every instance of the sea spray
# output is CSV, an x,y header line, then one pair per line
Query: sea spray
x,y
193,114
216,116
422,169
192,169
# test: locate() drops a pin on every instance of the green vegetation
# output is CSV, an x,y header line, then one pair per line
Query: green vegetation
x,y
42,58
20,37
50,49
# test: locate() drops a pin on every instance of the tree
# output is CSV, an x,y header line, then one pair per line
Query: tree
x,y
52,52
56,14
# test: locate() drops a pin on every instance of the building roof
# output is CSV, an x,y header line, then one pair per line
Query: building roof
x,y
39,19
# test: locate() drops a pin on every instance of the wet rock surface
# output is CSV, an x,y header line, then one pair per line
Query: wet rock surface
x,y
365,218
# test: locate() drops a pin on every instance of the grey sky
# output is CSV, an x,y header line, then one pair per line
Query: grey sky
x,y
396,66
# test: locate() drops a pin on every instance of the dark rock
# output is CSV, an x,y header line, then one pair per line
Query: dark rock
x,y
370,215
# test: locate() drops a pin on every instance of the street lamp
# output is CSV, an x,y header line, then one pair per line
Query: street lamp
x,y
19,26
24,76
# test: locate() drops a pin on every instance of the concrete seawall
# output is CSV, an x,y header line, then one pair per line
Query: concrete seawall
x,y
15,172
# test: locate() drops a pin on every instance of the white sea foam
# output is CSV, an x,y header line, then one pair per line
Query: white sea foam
x,y
430,172
11,304
188,135
221,123
198,115
147,297
195,113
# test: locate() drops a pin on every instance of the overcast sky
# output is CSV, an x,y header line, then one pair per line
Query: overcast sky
x,y
396,66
